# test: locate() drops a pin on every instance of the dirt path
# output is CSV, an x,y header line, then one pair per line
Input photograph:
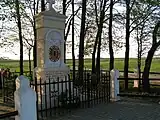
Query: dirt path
x,y
5,108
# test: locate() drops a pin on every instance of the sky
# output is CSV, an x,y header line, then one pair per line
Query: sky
x,y
13,52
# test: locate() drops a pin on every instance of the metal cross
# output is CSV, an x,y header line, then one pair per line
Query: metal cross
x,y
51,2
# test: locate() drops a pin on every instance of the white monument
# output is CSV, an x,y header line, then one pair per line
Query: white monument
x,y
50,27
114,85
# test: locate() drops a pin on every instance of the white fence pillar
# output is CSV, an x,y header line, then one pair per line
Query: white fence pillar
x,y
114,85
25,100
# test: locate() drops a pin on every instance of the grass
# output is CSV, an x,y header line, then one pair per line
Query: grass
x,y
119,64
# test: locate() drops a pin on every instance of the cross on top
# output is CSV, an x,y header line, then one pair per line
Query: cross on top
x,y
51,2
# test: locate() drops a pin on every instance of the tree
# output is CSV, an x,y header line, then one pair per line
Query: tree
x,y
100,24
27,10
110,36
20,36
65,7
73,53
95,29
29,48
35,10
132,23
64,13
126,61
143,17
43,7
81,42
148,61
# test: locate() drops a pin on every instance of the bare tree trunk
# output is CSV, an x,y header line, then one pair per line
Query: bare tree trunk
x,y
139,62
99,48
20,36
30,65
43,5
96,40
64,7
35,38
98,37
94,52
64,13
110,36
81,45
73,54
98,60
102,16
148,61
126,62
139,41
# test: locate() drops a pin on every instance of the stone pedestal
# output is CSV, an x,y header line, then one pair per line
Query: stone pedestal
x,y
51,85
50,27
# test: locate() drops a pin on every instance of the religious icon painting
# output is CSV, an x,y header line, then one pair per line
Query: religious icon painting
x,y
54,53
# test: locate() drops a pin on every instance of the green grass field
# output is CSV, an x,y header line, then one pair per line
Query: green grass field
x,y
119,64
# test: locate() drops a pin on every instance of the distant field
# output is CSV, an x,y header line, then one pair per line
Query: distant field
x,y
119,64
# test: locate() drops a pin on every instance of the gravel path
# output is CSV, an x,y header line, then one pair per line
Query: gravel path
x,y
123,110
126,109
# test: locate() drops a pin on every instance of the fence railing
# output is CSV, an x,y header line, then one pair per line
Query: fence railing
x,y
8,115
154,85
57,95
141,72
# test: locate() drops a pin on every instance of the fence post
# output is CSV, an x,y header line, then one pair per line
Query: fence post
x,y
25,100
114,85
1,80
136,82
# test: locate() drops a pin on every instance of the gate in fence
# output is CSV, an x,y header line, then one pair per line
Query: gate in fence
x,y
8,89
56,96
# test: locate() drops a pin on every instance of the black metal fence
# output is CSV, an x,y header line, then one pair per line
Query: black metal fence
x,y
9,115
8,86
59,95
8,89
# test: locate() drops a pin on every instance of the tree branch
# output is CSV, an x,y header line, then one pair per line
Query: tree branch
x,y
68,4
143,20
70,18
155,31
67,33
95,4
132,5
